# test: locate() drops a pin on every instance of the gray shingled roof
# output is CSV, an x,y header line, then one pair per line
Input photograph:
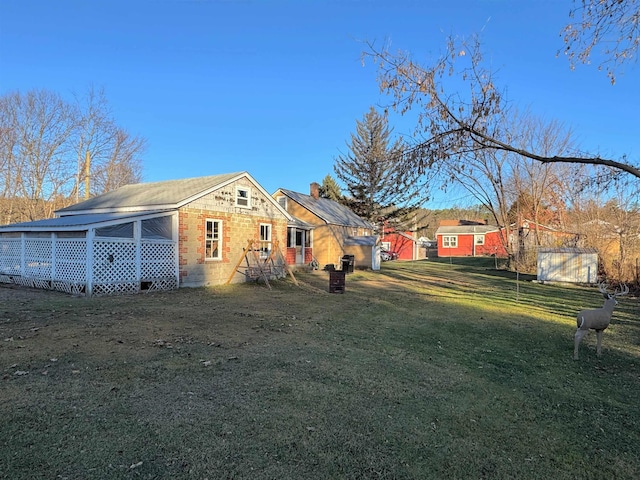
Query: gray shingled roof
x,y
331,212
365,240
152,196
462,229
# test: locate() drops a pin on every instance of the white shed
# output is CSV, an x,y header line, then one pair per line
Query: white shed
x,y
571,265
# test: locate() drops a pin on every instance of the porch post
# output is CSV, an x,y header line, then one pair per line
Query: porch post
x,y
23,248
91,233
175,237
137,238
53,256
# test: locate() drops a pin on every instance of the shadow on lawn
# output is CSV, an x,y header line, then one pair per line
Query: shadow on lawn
x,y
564,300
557,303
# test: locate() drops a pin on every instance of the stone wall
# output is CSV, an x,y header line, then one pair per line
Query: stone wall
x,y
239,225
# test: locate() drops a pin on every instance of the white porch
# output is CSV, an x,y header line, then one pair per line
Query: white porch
x,y
92,254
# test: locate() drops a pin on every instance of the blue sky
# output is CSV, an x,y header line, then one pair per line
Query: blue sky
x,y
275,87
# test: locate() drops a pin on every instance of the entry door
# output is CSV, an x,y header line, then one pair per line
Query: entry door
x,y
299,244
375,259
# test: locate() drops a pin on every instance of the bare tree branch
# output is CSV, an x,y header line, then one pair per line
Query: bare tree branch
x,y
475,117
43,142
612,24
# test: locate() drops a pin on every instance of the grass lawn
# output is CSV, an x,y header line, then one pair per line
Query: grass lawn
x,y
422,370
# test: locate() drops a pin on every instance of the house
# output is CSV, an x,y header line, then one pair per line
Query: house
x,y
148,236
323,231
469,239
458,238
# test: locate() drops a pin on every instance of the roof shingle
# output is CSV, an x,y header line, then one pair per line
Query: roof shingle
x,y
154,195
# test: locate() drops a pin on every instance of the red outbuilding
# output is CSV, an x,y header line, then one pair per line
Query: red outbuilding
x,y
470,239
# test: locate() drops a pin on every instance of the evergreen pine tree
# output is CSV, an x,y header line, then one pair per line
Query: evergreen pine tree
x,y
378,189
330,189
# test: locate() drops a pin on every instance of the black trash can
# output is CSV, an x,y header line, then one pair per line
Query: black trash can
x,y
336,281
348,262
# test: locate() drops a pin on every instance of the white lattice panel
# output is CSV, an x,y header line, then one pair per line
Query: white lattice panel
x,y
71,261
157,260
10,251
161,284
37,256
116,288
41,283
114,262
68,287
114,265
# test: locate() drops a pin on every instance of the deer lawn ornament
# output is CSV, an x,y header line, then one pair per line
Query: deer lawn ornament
x,y
598,318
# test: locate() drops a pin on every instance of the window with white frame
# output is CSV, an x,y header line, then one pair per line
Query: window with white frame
x,y
449,241
265,240
479,239
282,200
243,197
213,240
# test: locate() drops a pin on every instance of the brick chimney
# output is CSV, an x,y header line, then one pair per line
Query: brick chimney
x,y
314,190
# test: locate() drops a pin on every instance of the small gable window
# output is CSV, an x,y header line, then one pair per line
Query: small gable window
x,y
243,197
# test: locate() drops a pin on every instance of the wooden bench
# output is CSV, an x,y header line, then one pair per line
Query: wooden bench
x,y
255,272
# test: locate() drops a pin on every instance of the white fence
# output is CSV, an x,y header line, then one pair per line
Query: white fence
x,y
89,267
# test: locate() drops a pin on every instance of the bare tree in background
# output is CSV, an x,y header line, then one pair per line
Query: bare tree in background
x,y
611,225
450,121
43,145
115,155
509,188
37,133
612,24
545,185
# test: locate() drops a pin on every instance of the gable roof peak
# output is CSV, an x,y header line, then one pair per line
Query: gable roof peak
x,y
154,195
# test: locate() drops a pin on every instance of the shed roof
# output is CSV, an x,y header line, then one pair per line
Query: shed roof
x,y
407,236
331,212
574,250
362,241
76,222
296,222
